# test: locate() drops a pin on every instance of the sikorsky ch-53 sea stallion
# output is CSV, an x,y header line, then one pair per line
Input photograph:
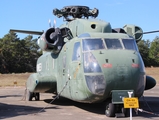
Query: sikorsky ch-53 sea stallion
x,y
94,62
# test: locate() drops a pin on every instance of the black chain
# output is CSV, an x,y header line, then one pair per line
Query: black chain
x,y
54,98
141,110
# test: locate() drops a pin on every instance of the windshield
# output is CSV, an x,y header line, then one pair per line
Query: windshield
x,y
97,44
91,64
92,44
113,44
130,44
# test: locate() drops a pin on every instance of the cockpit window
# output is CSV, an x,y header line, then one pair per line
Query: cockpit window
x,y
129,44
92,44
113,44
91,64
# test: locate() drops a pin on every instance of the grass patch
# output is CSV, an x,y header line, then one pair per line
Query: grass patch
x,y
20,79
13,79
153,72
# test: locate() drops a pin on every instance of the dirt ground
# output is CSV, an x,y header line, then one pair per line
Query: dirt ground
x,y
13,79
20,79
153,72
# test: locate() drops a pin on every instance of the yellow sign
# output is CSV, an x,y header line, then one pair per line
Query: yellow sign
x,y
131,102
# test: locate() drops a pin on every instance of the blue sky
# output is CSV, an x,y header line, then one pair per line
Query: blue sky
x,y
34,14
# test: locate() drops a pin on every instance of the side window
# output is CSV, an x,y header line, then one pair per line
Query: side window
x,y
130,44
76,52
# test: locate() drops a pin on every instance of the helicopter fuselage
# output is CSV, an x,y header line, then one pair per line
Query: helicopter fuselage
x,y
87,61
94,66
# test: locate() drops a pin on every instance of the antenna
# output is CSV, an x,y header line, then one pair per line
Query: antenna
x,y
54,23
49,23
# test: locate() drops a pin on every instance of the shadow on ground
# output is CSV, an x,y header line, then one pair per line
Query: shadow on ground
x,y
150,104
6,96
8,110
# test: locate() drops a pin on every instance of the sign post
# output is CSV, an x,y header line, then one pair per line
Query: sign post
x,y
130,93
131,102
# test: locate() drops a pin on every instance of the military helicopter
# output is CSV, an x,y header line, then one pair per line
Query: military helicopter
x,y
96,62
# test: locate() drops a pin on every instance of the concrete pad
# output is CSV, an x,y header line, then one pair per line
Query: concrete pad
x,y
13,107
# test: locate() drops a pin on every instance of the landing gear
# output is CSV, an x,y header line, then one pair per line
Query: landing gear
x,y
117,110
110,110
37,96
125,111
30,95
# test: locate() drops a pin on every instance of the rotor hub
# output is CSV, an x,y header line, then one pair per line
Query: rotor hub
x,y
76,12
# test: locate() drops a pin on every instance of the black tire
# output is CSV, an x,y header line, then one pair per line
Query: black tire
x,y
29,95
37,96
110,110
125,111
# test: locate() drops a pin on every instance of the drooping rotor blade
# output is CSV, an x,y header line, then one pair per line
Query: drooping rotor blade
x,y
28,31
150,32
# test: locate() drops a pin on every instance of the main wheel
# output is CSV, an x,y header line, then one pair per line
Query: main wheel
x,y
125,111
37,96
110,110
29,95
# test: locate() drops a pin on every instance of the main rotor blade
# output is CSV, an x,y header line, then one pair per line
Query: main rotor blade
x,y
28,31
151,32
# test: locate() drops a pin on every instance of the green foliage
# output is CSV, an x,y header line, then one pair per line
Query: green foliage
x,y
144,51
18,55
154,52
150,52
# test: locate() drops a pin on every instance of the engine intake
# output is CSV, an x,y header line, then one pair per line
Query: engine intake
x,y
51,40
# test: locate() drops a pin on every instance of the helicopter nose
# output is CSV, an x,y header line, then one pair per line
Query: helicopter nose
x,y
123,70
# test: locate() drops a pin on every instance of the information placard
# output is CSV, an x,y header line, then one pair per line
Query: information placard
x,y
131,102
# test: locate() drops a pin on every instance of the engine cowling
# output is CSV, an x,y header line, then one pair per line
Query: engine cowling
x,y
134,31
51,40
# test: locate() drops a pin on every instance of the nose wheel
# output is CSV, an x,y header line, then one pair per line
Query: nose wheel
x,y
117,110
110,109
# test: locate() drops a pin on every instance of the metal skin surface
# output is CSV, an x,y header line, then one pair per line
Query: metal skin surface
x,y
57,69
89,61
